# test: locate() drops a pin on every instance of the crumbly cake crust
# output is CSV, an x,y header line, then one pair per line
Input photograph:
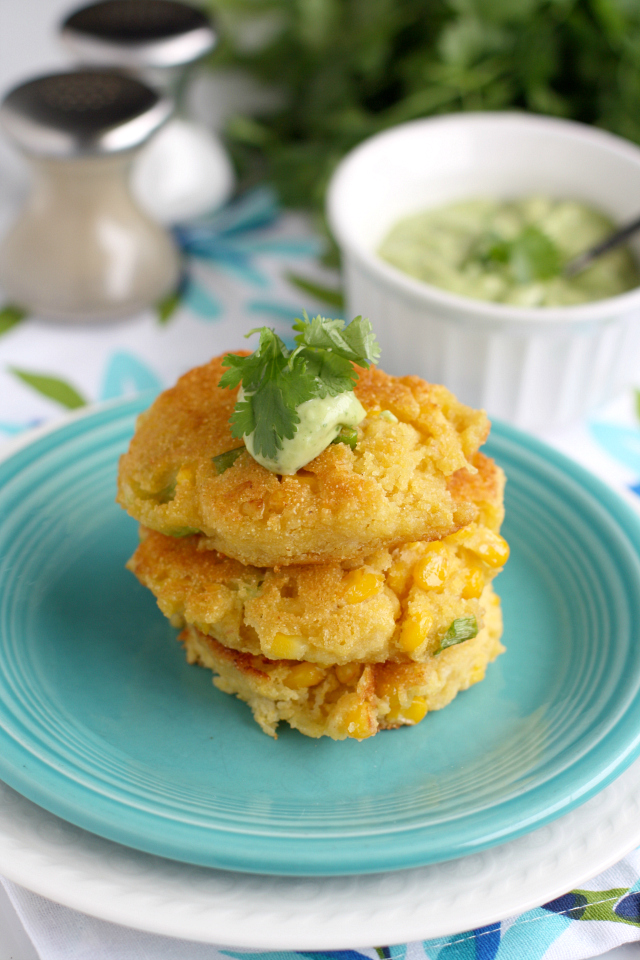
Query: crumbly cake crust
x,y
343,505
342,703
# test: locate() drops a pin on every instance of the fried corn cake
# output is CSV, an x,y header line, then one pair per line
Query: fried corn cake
x,y
396,606
343,505
352,699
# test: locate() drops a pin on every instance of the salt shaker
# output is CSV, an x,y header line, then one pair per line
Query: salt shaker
x,y
185,171
81,249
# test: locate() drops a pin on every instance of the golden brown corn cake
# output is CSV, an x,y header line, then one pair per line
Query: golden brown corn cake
x,y
343,505
397,605
352,699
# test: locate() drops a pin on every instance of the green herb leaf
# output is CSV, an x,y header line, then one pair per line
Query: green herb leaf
x,y
167,494
10,316
53,388
329,294
534,256
348,435
167,307
276,380
225,460
356,342
464,628
531,256
491,250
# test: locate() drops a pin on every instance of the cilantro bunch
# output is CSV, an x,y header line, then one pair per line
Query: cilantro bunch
x,y
346,69
276,380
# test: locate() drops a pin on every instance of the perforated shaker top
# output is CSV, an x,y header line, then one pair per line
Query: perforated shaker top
x,y
142,33
82,112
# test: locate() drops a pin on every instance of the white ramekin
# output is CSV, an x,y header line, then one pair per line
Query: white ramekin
x,y
537,367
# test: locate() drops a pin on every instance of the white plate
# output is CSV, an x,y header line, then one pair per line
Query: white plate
x,y
101,878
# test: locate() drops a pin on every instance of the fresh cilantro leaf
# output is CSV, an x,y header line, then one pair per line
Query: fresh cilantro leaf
x,y
464,628
362,342
227,459
274,409
276,380
530,256
355,342
490,250
534,256
333,374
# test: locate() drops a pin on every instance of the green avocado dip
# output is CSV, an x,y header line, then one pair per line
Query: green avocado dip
x,y
321,420
511,251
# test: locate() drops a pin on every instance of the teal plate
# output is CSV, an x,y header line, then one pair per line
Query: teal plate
x,y
104,723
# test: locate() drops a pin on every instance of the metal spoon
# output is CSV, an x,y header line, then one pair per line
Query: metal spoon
x,y
582,261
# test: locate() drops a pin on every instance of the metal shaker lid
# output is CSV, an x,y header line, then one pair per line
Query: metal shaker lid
x,y
135,34
81,113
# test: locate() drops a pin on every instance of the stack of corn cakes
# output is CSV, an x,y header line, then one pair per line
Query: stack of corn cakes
x,y
350,597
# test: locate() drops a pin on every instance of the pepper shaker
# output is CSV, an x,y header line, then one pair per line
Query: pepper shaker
x,y
185,171
81,249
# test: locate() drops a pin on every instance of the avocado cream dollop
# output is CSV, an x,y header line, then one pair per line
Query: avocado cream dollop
x,y
321,420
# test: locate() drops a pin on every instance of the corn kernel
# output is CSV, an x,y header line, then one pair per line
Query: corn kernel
x,y
284,647
348,672
459,536
474,584
413,633
357,722
304,675
431,572
414,713
494,550
397,577
185,475
361,585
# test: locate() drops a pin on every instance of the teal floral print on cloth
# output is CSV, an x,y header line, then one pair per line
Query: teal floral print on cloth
x,y
229,241
201,301
125,375
620,441
14,429
531,936
619,905
234,236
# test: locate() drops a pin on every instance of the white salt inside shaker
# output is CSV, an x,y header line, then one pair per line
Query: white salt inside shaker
x,y
185,171
81,249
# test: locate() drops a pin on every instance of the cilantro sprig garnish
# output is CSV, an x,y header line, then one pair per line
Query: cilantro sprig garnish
x,y
276,380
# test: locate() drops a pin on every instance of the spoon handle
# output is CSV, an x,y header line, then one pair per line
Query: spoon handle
x,y
582,261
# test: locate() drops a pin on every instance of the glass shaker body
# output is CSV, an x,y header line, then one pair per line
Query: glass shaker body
x,y
185,171
82,250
